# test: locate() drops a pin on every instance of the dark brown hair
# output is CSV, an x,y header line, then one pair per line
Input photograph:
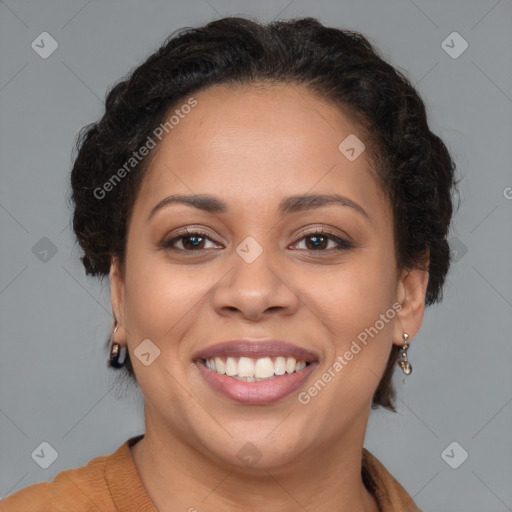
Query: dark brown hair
x,y
413,165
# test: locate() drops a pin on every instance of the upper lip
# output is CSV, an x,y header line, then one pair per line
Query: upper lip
x,y
256,350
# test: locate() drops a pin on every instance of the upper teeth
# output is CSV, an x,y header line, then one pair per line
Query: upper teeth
x,y
248,367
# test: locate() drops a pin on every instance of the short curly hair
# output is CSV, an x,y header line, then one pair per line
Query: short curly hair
x,y
414,167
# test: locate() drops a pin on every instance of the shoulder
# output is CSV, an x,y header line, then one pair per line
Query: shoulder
x,y
79,489
387,490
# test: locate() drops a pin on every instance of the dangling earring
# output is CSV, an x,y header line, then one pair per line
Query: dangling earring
x,y
404,362
115,350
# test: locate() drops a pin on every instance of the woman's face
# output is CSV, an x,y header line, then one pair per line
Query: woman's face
x,y
252,269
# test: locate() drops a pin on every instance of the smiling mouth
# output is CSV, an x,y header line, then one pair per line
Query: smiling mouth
x,y
250,369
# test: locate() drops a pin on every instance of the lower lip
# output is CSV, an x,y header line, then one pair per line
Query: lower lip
x,y
262,392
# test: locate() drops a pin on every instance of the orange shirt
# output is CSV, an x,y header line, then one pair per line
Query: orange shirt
x,y
111,483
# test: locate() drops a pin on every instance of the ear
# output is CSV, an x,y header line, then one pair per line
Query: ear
x,y
117,288
411,291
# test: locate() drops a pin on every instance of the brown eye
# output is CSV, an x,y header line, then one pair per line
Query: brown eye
x,y
319,241
190,241
193,242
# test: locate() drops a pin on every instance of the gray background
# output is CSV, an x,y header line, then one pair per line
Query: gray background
x,y
54,384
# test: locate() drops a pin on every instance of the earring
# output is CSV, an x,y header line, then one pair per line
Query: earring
x,y
404,362
115,350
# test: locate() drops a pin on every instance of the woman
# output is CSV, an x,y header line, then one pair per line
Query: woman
x,y
272,211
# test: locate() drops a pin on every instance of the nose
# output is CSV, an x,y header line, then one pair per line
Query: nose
x,y
255,290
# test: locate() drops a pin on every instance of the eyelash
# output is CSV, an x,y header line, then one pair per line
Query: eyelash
x,y
342,244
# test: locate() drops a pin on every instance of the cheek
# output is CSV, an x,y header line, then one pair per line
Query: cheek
x,y
158,296
359,350
354,295
356,305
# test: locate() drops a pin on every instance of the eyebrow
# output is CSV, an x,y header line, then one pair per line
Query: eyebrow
x,y
292,204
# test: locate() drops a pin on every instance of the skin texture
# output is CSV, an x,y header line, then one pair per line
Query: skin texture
x,y
252,146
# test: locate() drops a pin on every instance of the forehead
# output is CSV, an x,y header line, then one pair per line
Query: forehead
x,y
256,143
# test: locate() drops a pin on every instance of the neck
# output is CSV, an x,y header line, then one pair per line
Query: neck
x,y
177,476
